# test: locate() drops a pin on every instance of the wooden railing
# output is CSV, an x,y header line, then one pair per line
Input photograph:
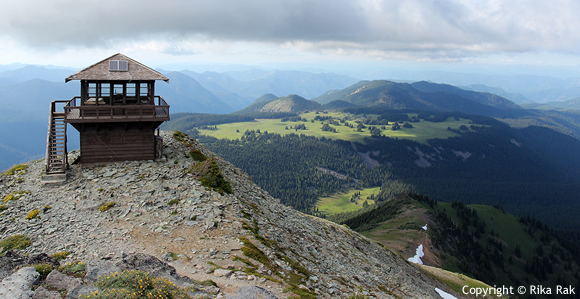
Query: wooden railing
x,y
56,150
77,113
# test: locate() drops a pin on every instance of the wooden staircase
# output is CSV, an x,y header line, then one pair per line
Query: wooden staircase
x,y
56,151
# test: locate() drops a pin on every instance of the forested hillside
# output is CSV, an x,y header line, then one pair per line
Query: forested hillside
x,y
487,162
480,241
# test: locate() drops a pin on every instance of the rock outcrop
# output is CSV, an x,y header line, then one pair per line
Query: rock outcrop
x,y
159,218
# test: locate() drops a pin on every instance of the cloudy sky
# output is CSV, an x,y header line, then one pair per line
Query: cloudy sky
x,y
429,33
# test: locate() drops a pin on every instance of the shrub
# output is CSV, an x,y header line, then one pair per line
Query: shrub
x,y
210,175
173,202
60,255
16,168
76,267
197,155
15,242
107,206
136,284
32,214
43,269
182,138
15,195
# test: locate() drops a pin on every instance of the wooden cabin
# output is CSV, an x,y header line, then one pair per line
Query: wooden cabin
x,y
117,111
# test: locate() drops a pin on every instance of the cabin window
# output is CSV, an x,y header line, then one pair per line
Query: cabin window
x,y
118,94
144,94
91,94
131,93
105,96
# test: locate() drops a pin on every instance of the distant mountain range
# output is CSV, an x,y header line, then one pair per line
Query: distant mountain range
x,y
26,91
573,104
421,96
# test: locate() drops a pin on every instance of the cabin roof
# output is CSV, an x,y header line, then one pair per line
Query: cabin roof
x,y
100,71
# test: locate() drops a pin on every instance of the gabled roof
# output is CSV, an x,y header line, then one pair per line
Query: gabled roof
x,y
100,71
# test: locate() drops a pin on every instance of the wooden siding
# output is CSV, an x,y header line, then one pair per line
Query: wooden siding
x,y
117,142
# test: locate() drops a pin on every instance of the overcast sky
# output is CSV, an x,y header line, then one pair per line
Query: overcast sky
x,y
428,33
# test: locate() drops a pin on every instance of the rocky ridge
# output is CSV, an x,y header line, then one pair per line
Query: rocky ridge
x,y
242,240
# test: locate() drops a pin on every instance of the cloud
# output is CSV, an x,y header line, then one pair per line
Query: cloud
x,y
437,29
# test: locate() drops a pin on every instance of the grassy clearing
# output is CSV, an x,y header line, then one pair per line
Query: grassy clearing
x,y
401,233
455,281
340,202
420,132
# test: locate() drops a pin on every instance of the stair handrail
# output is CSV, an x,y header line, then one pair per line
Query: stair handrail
x,y
48,138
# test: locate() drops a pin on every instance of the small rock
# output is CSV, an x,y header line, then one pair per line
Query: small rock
x,y
222,273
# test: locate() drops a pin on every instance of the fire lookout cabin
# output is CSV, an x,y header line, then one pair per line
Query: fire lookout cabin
x,y
116,114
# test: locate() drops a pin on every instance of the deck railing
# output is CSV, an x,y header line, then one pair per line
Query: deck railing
x,y
75,112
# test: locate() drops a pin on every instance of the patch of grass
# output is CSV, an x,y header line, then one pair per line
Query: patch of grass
x,y
421,131
210,175
136,284
32,214
173,202
250,250
207,282
454,281
107,206
15,242
15,195
76,268
197,155
60,255
183,138
16,168
3,207
302,294
340,202
43,269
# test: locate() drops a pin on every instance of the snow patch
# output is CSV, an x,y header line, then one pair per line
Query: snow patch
x,y
463,155
444,295
421,162
515,142
418,255
370,162
425,227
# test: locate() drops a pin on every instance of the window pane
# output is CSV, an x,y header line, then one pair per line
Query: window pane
x,y
143,89
131,89
113,65
92,89
105,89
118,97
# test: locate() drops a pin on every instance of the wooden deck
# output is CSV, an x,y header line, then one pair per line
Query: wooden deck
x,y
76,113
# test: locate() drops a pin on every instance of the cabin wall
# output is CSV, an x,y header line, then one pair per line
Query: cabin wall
x,y
117,142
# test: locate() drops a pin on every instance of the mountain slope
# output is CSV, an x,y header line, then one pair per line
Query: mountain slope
x,y
478,240
162,209
514,97
429,97
184,94
291,103
480,97
336,94
215,83
305,84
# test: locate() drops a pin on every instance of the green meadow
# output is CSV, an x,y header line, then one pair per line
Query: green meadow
x,y
420,132
340,202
